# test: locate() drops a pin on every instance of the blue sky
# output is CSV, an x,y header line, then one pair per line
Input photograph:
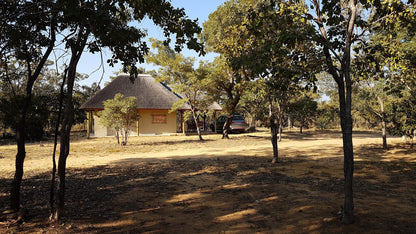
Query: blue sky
x,y
195,9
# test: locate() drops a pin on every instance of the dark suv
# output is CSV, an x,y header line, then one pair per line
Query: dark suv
x,y
237,125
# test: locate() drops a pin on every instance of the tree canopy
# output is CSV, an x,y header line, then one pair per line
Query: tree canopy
x,y
178,72
28,34
120,114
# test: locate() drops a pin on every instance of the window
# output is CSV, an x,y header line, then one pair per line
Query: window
x,y
159,119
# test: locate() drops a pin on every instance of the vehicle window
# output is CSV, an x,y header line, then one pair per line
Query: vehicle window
x,y
238,117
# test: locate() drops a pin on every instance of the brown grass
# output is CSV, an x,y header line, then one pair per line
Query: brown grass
x,y
176,184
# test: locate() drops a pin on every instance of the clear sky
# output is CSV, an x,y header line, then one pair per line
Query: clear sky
x,y
195,9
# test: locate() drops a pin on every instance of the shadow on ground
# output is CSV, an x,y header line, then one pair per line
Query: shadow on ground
x,y
227,193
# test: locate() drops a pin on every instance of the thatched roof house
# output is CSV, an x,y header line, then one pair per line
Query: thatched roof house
x,y
154,100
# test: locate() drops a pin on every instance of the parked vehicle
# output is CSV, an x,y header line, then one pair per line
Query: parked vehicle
x,y
238,124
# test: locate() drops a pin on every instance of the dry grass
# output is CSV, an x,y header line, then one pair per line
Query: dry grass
x,y
177,184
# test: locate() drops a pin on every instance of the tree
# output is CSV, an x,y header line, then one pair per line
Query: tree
x,y
227,87
178,72
273,45
96,25
340,24
254,101
386,66
223,34
334,34
327,115
81,95
303,110
372,103
27,34
120,113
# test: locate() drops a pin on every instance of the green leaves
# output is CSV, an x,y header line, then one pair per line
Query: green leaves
x,y
120,113
178,71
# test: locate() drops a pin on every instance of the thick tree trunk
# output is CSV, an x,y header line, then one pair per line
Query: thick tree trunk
x,y
346,118
384,134
348,210
20,134
21,148
64,152
20,141
233,99
226,127
18,175
346,126
343,79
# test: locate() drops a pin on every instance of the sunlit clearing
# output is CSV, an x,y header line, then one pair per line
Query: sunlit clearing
x,y
274,198
236,215
235,186
299,209
120,223
184,197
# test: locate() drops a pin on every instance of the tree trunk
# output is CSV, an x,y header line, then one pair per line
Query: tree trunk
x,y
21,148
343,79
226,127
345,92
346,118
280,129
126,135
384,134
233,99
18,175
76,51
274,129
20,140
414,136
64,148
20,133
348,209
64,152
196,124
383,123
53,174
117,136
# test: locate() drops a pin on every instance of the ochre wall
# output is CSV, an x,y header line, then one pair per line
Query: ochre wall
x,y
146,127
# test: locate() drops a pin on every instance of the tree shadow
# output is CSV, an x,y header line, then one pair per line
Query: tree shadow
x,y
226,193
171,142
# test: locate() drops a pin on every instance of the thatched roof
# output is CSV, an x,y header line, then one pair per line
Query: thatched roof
x,y
149,93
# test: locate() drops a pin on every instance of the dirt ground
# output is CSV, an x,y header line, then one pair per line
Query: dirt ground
x,y
176,184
